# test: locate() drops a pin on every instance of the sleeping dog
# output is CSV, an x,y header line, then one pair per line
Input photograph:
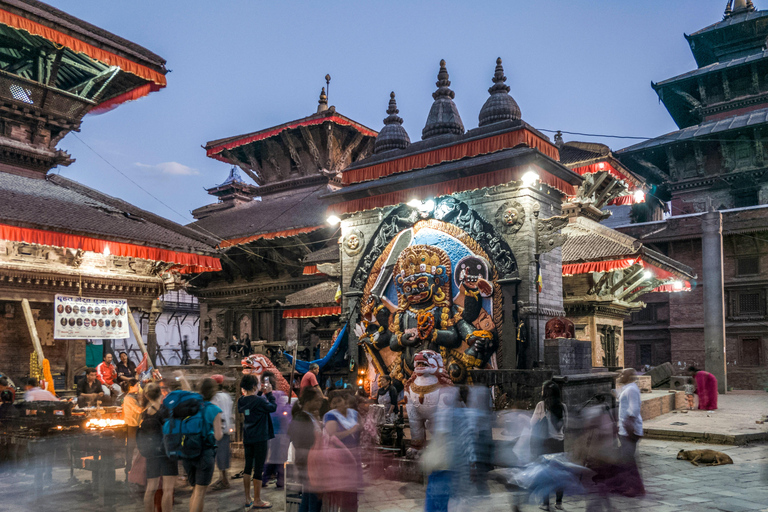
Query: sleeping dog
x,y
706,457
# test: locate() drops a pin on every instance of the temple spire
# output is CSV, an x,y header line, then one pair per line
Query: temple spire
x,y
500,106
728,9
393,135
443,118
322,103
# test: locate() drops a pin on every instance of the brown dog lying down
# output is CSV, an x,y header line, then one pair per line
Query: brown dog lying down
x,y
706,457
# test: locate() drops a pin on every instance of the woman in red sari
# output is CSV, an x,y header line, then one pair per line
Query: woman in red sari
x,y
706,388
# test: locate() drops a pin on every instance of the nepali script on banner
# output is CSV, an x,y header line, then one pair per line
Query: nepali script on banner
x,y
84,318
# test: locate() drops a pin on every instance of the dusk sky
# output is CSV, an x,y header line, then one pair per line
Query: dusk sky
x,y
241,66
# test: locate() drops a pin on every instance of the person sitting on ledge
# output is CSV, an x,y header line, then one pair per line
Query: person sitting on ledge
x,y
89,389
35,394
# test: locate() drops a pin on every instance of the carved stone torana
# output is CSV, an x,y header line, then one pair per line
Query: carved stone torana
x,y
447,209
353,242
559,328
549,238
510,217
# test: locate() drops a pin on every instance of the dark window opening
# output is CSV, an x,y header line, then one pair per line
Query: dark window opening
x,y
646,315
745,198
646,355
748,266
750,352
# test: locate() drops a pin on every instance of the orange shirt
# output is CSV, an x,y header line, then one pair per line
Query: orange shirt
x,y
309,380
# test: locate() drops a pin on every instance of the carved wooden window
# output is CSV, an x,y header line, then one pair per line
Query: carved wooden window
x,y
743,152
750,351
646,315
749,304
748,266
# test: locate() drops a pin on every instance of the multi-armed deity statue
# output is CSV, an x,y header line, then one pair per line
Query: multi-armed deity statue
x,y
429,302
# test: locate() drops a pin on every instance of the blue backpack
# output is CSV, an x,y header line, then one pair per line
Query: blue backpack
x,y
186,433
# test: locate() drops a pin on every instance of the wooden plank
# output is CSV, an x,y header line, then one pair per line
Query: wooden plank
x,y
137,335
33,330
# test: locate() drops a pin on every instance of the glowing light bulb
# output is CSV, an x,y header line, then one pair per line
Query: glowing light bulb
x,y
647,274
106,250
529,178
333,220
414,203
677,285
639,196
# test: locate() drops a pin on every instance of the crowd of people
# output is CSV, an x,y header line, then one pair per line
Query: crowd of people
x,y
324,435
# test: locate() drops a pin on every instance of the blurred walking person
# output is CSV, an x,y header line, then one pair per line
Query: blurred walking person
x,y
630,432
303,431
256,404
548,430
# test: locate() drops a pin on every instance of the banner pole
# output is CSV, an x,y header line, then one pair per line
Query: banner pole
x,y
137,335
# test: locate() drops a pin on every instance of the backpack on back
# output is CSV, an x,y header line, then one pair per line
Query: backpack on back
x,y
186,433
149,436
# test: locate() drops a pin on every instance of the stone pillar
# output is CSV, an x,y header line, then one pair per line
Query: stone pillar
x,y
714,305
508,341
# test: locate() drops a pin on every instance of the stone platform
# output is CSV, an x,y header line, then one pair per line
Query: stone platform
x,y
734,422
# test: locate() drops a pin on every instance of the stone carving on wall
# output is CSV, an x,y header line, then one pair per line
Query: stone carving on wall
x,y
353,242
549,238
559,328
510,217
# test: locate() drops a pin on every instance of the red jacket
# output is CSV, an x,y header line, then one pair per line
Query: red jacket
x,y
106,373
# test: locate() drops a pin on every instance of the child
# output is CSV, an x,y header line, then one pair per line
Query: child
x,y
690,389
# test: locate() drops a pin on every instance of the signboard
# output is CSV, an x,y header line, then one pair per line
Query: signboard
x,y
84,318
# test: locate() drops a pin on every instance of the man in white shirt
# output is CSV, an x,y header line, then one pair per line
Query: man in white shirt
x,y
213,352
630,431
35,394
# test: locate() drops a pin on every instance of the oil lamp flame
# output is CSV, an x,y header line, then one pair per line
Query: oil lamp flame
x,y
104,423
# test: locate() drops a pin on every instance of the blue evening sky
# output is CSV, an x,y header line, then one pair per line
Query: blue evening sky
x,y
243,65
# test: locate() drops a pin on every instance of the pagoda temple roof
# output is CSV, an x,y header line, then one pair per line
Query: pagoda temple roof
x,y
734,19
89,54
319,295
754,118
215,147
59,211
326,255
284,212
718,66
595,248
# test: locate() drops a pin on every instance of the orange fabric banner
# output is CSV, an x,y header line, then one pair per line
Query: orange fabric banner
x,y
133,94
268,236
76,45
489,179
311,270
472,148
214,151
312,312
597,266
185,260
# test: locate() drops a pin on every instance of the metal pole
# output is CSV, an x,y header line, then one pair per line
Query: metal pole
x,y
293,369
137,335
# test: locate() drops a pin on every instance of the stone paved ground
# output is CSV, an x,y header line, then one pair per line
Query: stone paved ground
x,y
672,485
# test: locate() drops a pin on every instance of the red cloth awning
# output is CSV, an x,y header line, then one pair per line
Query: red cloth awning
x,y
187,262
488,179
15,21
133,94
686,287
610,169
268,236
597,266
214,151
311,270
622,200
456,152
312,312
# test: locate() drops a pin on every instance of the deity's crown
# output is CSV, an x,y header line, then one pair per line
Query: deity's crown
x,y
422,259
